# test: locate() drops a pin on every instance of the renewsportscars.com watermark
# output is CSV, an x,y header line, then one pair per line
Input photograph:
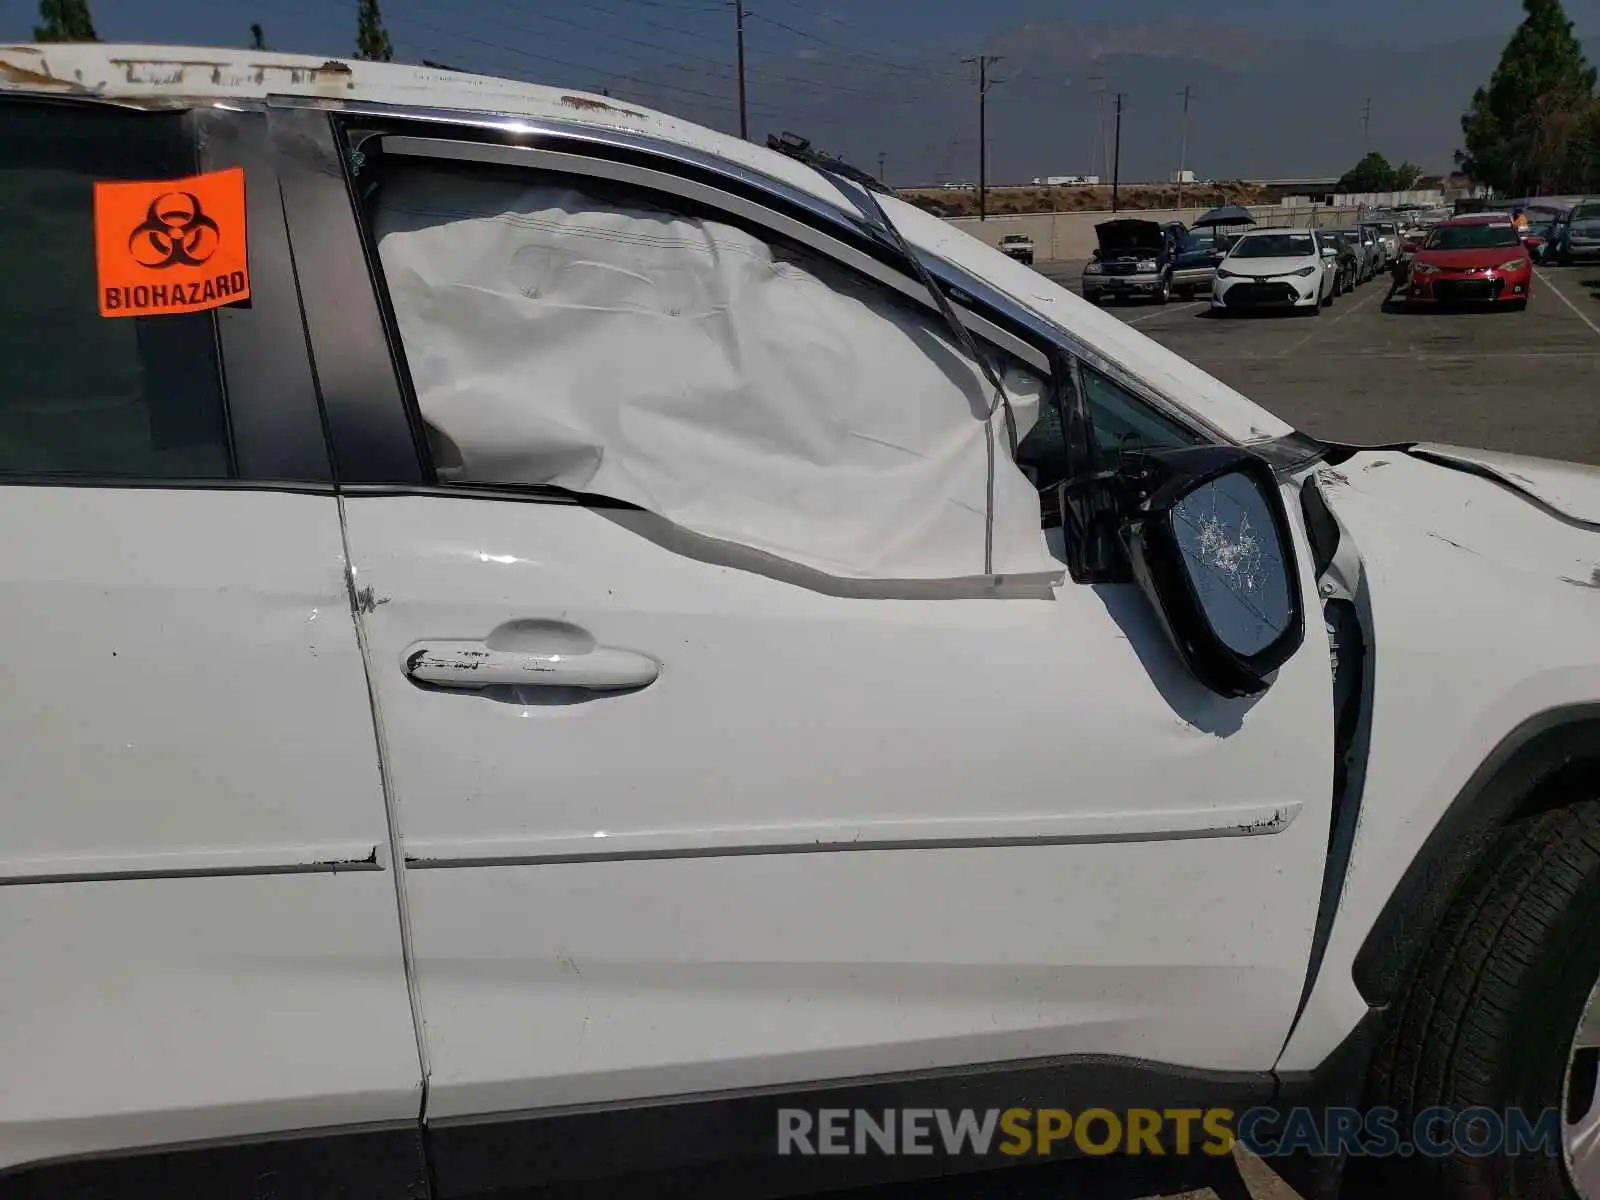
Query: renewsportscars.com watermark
x,y
1265,1132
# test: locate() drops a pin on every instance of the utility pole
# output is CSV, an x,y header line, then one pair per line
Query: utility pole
x,y
1116,161
1183,146
881,157
744,108
1366,126
1100,153
984,84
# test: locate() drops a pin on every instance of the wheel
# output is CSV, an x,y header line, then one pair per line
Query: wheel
x,y
1502,1014
1186,293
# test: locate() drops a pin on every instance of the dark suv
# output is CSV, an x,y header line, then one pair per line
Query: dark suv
x,y
1135,259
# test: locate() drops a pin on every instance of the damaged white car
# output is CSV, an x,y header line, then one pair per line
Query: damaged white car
x,y
542,637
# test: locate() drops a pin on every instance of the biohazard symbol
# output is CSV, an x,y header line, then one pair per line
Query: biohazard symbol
x,y
174,233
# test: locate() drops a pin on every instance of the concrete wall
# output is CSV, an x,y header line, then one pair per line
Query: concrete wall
x,y
1432,198
1068,236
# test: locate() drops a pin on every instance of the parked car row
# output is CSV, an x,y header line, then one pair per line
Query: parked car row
x,y
1483,258
1256,268
1575,236
1305,270
1157,260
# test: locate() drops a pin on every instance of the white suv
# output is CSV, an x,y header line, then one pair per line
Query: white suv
x,y
539,636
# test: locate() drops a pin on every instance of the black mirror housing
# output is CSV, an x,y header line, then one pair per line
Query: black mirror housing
x,y
1210,544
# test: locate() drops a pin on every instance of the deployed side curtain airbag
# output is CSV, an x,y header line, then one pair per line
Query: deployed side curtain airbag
x,y
739,390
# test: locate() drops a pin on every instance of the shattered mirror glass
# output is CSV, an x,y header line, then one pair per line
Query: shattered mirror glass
x,y
1234,561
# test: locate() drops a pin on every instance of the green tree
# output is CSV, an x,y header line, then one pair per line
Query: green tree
x,y
372,39
1521,129
64,21
1587,151
258,38
1406,176
1372,174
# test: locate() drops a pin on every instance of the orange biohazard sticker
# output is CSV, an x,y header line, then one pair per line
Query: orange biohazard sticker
x,y
171,245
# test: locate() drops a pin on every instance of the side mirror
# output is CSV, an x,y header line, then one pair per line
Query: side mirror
x,y
1210,545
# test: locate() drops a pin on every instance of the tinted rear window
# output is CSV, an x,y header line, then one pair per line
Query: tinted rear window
x,y
81,394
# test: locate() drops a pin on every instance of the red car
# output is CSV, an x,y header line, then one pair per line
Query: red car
x,y
1479,259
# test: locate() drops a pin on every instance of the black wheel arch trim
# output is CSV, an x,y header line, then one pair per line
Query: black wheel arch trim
x,y
1507,784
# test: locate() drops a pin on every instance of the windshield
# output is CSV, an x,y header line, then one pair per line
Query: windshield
x,y
1011,238
1586,212
1472,237
1275,245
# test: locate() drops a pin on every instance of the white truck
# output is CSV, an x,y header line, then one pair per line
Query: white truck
x,y
542,640
1017,246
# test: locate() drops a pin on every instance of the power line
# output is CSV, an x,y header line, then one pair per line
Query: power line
x,y
502,48
886,64
720,64
983,61
832,19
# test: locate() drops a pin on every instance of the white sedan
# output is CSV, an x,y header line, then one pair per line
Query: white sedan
x,y
1275,268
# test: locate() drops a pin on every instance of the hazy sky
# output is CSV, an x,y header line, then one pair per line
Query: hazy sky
x,y
810,54
580,42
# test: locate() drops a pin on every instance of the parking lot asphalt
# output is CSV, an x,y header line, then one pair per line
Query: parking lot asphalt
x,y
1520,382
1238,1178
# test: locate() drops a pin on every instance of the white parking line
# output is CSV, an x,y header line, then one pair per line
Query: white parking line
x,y
1562,296
1325,325
1169,308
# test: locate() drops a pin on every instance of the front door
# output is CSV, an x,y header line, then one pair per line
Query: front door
x,y
713,824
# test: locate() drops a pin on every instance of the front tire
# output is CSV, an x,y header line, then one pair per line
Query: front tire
x,y
1501,1015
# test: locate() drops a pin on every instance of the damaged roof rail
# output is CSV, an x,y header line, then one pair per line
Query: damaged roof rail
x,y
792,145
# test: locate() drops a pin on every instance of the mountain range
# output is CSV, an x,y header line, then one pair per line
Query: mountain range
x,y
1261,107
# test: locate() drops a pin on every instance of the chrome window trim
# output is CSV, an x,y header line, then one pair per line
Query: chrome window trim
x,y
673,153
535,158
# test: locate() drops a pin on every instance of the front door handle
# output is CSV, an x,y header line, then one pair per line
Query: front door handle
x,y
473,665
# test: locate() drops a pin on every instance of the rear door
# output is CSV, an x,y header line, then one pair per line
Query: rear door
x,y
809,831
199,922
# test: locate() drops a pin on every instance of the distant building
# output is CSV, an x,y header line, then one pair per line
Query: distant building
x,y
1067,181
1182,177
